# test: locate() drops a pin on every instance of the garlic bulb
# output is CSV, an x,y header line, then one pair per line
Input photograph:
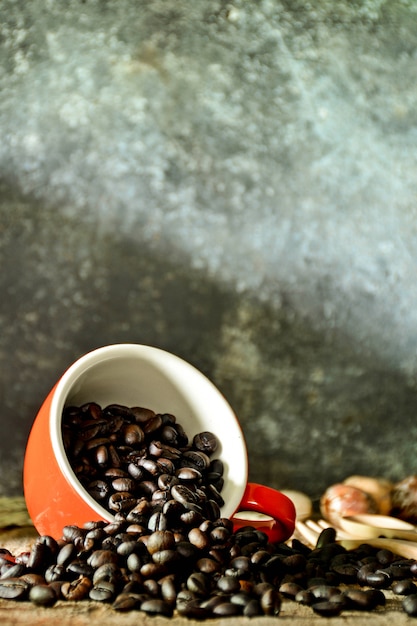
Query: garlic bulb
x,y
341,500
379,488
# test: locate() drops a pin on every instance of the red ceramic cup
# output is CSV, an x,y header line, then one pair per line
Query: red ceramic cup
x,y
139,375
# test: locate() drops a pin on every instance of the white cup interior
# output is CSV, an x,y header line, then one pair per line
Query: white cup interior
x,y
139,375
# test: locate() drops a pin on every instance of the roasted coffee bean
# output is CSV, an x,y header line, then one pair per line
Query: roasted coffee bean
x,y
66,554
109,572
378,579
151,425
151,586
165,557
399,569
121,501
166,466
157,606
128,601
290,589
42,595
199,539
226,609
33,579
326,608
252,608
12,570
103,591
228,584
134,562
73,533
185,496
196,459
14,589
98,489
55,572
169,435
132,434
39,555
101,557
198,583
409,604
208,566
192,609
327,536
214,494
404,587
206,442
160,540
363,571
168,589
78,567
305,596
158,521
142,414
270,602
189,475
147,488
212,601
135,471
124,484
77,589
361,599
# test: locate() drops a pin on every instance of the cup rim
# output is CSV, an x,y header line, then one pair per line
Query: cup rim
x,y
69,379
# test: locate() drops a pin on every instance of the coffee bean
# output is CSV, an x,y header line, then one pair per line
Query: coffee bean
x,y
103,591
228,584
199,583
327,608
378,579
226,609
192,610
404,587
42,595
205,442
77,589
270,602
252,608
168,589
361,599
12,570
102,557
128,601
157,606
409,604
13,589
189,474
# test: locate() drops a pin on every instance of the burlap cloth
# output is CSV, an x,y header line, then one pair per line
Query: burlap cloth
x,y
17,534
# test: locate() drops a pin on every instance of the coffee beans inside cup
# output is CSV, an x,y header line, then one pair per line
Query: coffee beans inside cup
x,y
141,465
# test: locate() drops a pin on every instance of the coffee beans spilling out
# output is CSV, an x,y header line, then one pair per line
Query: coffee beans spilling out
x,y
141,465
169,552
204,571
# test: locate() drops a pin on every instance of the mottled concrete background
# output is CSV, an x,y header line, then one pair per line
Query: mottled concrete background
x,y
232,181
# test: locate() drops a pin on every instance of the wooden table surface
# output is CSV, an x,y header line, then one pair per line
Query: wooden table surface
x,y
17,534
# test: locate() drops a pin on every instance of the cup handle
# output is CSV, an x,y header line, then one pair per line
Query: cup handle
x,y
280,523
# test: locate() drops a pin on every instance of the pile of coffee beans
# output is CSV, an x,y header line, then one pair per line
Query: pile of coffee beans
x,y
207,571
141,464
169,552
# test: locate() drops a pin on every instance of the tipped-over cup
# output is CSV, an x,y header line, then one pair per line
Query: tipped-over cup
x,y
140,375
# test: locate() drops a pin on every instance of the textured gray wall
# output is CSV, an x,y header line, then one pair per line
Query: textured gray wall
x,y
234,182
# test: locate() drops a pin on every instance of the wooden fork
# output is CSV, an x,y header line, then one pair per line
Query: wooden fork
x,y
310,531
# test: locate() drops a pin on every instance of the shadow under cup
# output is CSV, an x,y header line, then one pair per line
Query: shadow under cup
x,y
131,375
